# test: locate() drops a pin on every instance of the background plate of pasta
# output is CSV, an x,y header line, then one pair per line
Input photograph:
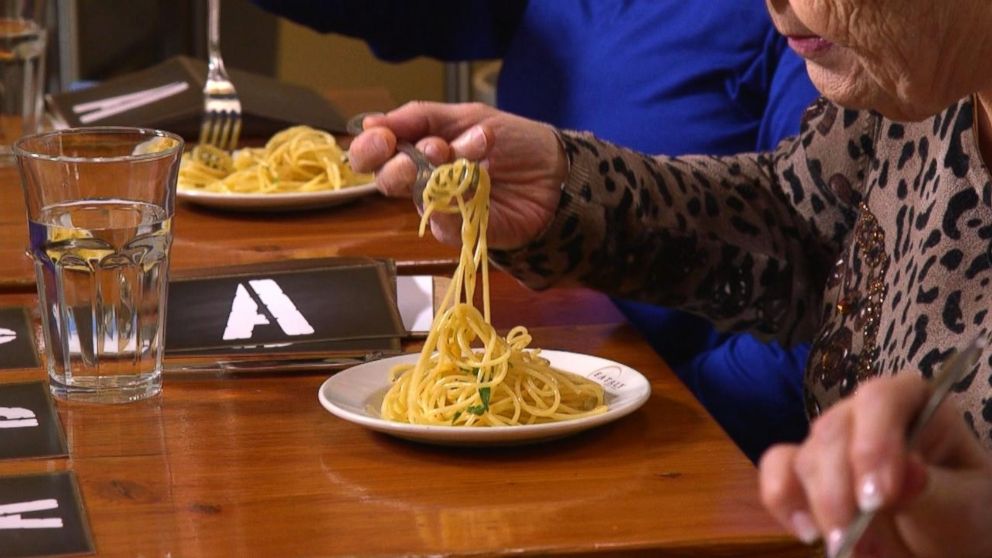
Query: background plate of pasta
x,y
298,168
357,394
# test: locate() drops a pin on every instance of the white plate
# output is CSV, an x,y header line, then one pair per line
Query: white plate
x,y
355,395
276,202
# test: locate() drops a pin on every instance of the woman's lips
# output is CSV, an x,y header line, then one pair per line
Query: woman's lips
x,y
809,46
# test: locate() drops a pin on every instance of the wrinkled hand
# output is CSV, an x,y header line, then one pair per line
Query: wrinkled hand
x,y
525,162
935,502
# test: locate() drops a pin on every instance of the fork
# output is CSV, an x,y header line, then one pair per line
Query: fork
x,y
424,167
221,107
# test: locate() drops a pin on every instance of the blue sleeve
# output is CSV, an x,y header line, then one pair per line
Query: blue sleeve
x,y
448,30
789,94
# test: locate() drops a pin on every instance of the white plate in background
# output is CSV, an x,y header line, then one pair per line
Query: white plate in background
x,y
284,201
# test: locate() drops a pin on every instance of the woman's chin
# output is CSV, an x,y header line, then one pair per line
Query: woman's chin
x,y
847,86
844,81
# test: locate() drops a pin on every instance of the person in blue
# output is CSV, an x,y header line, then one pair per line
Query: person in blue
x,y
659,76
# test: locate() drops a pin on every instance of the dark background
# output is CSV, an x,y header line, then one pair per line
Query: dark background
x,y
122,36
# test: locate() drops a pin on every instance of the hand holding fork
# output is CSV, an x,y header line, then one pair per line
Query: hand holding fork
x,y
424,167
888,471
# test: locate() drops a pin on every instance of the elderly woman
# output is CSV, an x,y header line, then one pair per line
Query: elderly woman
x,y
870,233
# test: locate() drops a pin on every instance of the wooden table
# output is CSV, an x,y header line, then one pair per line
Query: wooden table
x,y
256,467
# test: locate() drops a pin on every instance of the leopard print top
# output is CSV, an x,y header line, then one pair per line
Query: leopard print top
x,y
869,237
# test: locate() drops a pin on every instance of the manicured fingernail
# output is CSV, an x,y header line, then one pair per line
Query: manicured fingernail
x,y
834,540
370,115
379,144
869,494
474,139
432,152
804,528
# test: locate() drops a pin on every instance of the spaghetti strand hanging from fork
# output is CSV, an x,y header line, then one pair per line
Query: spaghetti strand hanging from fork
x,y
455,382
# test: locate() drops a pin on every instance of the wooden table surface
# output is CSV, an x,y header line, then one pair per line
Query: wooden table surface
x,y
254,466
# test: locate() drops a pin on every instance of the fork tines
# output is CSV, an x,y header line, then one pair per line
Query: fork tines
x,y
221,117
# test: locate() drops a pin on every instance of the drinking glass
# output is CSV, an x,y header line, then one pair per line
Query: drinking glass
x,y
22,71
100,203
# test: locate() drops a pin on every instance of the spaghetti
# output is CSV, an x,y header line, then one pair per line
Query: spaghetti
x,y
501,383
297,159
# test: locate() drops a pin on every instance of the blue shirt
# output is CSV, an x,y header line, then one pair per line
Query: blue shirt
x,y
660,76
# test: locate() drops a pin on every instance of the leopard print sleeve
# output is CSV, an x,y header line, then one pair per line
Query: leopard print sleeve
x,y
745,240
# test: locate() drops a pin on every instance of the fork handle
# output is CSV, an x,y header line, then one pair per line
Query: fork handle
x,y
424,171
213,35
424,167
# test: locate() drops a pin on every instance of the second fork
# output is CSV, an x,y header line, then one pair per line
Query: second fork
x,y
221,125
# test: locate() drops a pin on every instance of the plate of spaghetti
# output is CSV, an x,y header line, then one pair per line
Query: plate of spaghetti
x,y
470,384
357,395
298,168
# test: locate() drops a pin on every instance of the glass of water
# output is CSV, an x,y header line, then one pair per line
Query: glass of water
x,y
100,203
22,71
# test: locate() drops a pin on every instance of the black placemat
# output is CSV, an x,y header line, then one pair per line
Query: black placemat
x,y
345,304
17,347
42,515
268,105
29,425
